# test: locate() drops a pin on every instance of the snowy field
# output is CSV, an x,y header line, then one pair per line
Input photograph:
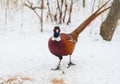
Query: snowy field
x,y
24,54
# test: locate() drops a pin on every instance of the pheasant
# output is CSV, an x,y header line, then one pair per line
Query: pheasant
x,y
62,44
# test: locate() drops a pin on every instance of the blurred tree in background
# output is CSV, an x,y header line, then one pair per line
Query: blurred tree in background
x,y
61,12
109,25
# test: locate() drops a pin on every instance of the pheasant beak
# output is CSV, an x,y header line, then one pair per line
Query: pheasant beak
x,y
57,30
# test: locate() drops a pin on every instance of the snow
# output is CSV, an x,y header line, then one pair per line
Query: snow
x,y
97,62
24,53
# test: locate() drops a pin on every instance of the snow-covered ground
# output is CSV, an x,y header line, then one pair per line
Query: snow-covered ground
x,y
97,62
24,53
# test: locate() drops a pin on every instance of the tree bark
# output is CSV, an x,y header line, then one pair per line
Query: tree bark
x,y
109,25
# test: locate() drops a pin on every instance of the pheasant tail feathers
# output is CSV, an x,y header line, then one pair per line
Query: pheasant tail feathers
x,y
82,26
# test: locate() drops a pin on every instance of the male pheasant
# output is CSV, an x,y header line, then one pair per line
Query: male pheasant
x,y
61,44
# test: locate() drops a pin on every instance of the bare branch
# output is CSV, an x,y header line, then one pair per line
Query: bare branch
x,y
33,8
49,11
65,12
30,5
69,19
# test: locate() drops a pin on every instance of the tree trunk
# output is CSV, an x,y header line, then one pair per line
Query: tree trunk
x,y
109,25
83,3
